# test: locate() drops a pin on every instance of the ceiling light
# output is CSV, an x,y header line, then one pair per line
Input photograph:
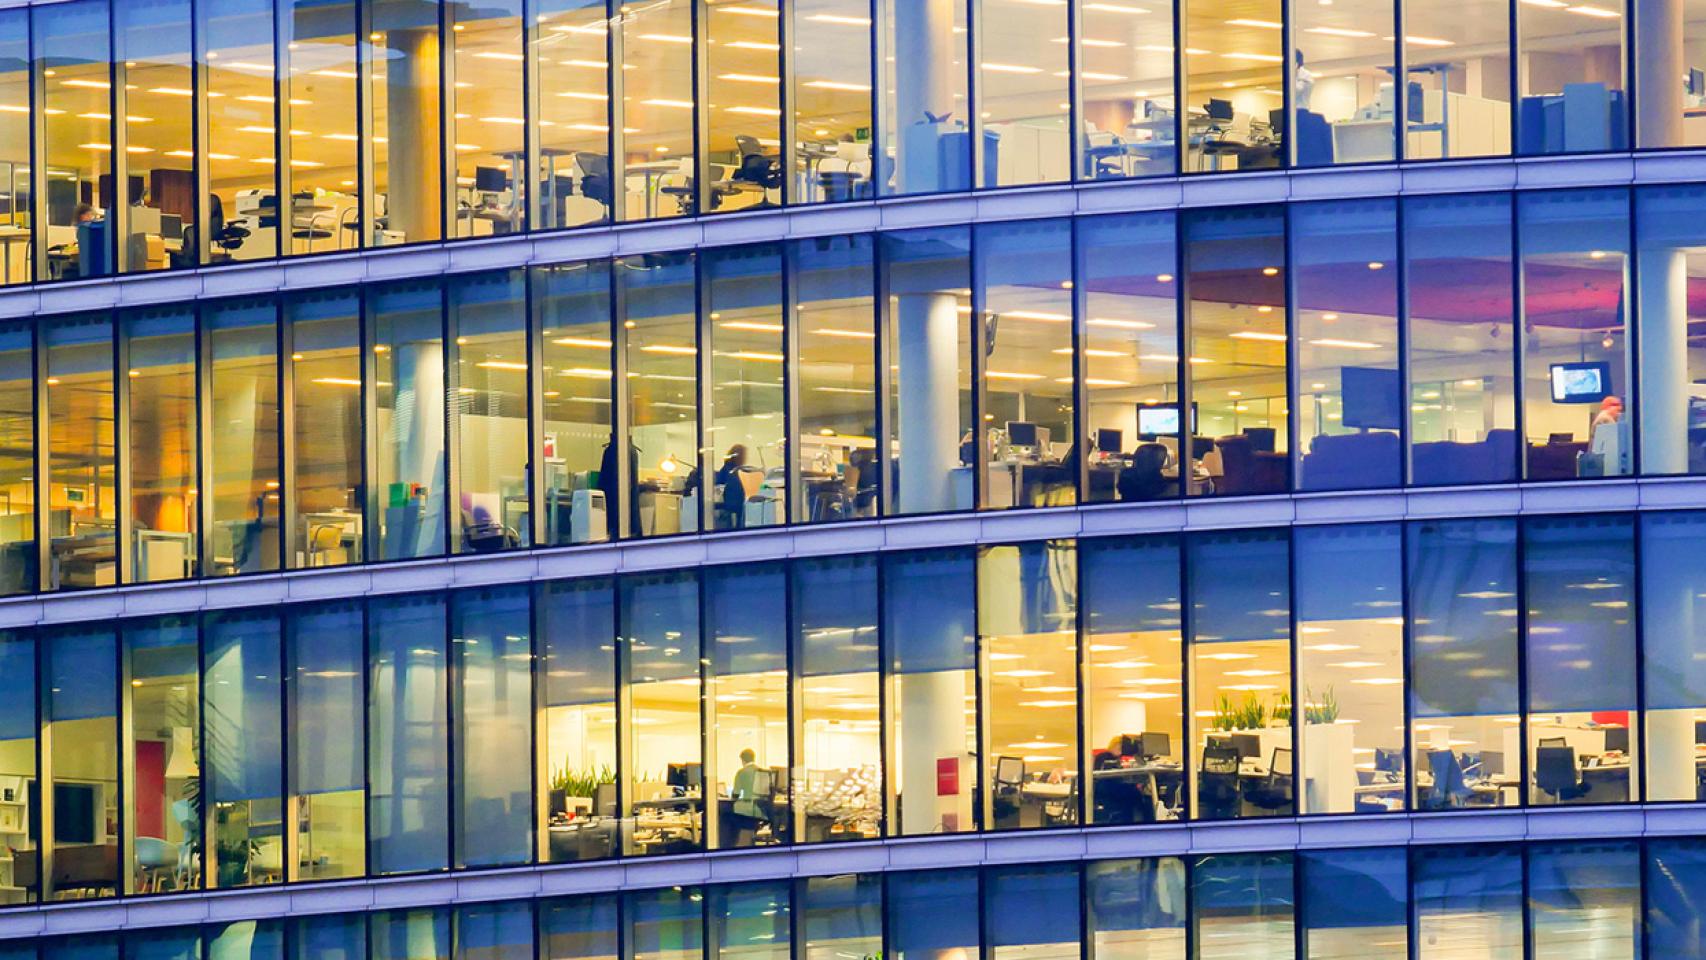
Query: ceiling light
x,y
749,78
753,45
1338,32
1121,324
499,55
837,85
1010,68
666,38
1264,24
1258,335
1345,344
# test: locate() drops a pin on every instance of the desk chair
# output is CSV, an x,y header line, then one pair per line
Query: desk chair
x,y
1275,792
156,864
595,182
758,170
1449,788
1008,787
1218,797
1142,480
1062,813
1555,772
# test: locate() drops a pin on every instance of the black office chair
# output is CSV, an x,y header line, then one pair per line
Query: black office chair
x,y
1555,772
1275,792
595,178
1449,788
757,168
1008,791
1142,480
1218,797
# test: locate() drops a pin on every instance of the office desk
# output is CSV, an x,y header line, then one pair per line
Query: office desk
x,y
9,237
652,171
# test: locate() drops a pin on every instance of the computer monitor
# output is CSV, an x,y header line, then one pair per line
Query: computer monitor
x,y
1109,441
490,179
1021,434
1696,82
1617,738
1009,770
1583,382
604,800
1370,398
1157,420
1248,745
171,226
1219,109
684,775
1387,760
1156,744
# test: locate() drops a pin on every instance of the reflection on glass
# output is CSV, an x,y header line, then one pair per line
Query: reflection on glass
x,y
746,437
494,931
245,940
933,914
243,723
746,617
1461,357
1233,83
19,727
1673,599
1457,65
1130,333
81,711
405,201
742,102
422,934
490,382
1024,279
929,624
578,928
927,274
831,59
406,503
571,304
162,755
1129,123
17,211
1570,77
1235,321
488,128
1343,102
1467,894
1462,606
1015,896
324,647
82,468
1345,317
838,769
926,142
1134,705
326,397
657,111
750,921
242,348
573,184
18,560
1240,663
161,379
1671,263
1579,575
1575,350
151,39
1584,897
1027,606
1675,870
1350,662
242,133
664,924
1355,903
577,723
840,916
1023,93
835,420
1242,905
492,657
1135,909
71,47
338,936
663,776
408,767
659,311
320,84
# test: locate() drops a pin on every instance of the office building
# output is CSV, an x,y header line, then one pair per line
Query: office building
x,y
847,479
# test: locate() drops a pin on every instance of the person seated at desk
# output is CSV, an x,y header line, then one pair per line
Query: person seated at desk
x,y
482,534
731,492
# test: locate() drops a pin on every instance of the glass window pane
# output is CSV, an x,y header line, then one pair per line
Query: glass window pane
x,y
1576,377
1675,876
750,921
1134,711
743,99
1135,909
1027,621
1584,898
927,274
81,708
1671,258
1130,333
658,616
1233,83
161,379
1016,898
18,564
488,129
840,917
1580,578
577,624
1350,661
326,398
746,623
1125,58
162,753
409,934
1342,90
1024,279
172,943
1023,93
839,770
657,110
1355,904
1235,320
1458,55
1460,306
1242,905
495,931
320,85
1673,591
335,937
406,199
573,310
1345,282
832,100
246,940
152,40
242,137
244,721
407,756
327,713
932,913
572,121
1467,895
72,49
96,946
746,436
1570,77
926,146
578,928
82,469
18,781
1463,663
664,924
491,383
929,624
835,421
407,333
1664,107
491,643
242,347
17,212
1240,590
659,323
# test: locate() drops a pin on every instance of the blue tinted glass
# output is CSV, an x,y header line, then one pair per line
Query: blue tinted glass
x,y
407,762
1355,903
932,913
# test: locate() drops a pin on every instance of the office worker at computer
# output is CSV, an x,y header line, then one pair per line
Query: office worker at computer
x,y
1610,411
731,495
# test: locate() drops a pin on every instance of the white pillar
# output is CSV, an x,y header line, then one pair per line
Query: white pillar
x,y
1662,329
929,428
924,48
1659,72
933,728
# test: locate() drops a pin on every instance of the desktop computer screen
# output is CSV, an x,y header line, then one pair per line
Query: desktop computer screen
x,y
1158,420
1109,441
1583,382
1156,744
1370,398
1021,434
684,775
